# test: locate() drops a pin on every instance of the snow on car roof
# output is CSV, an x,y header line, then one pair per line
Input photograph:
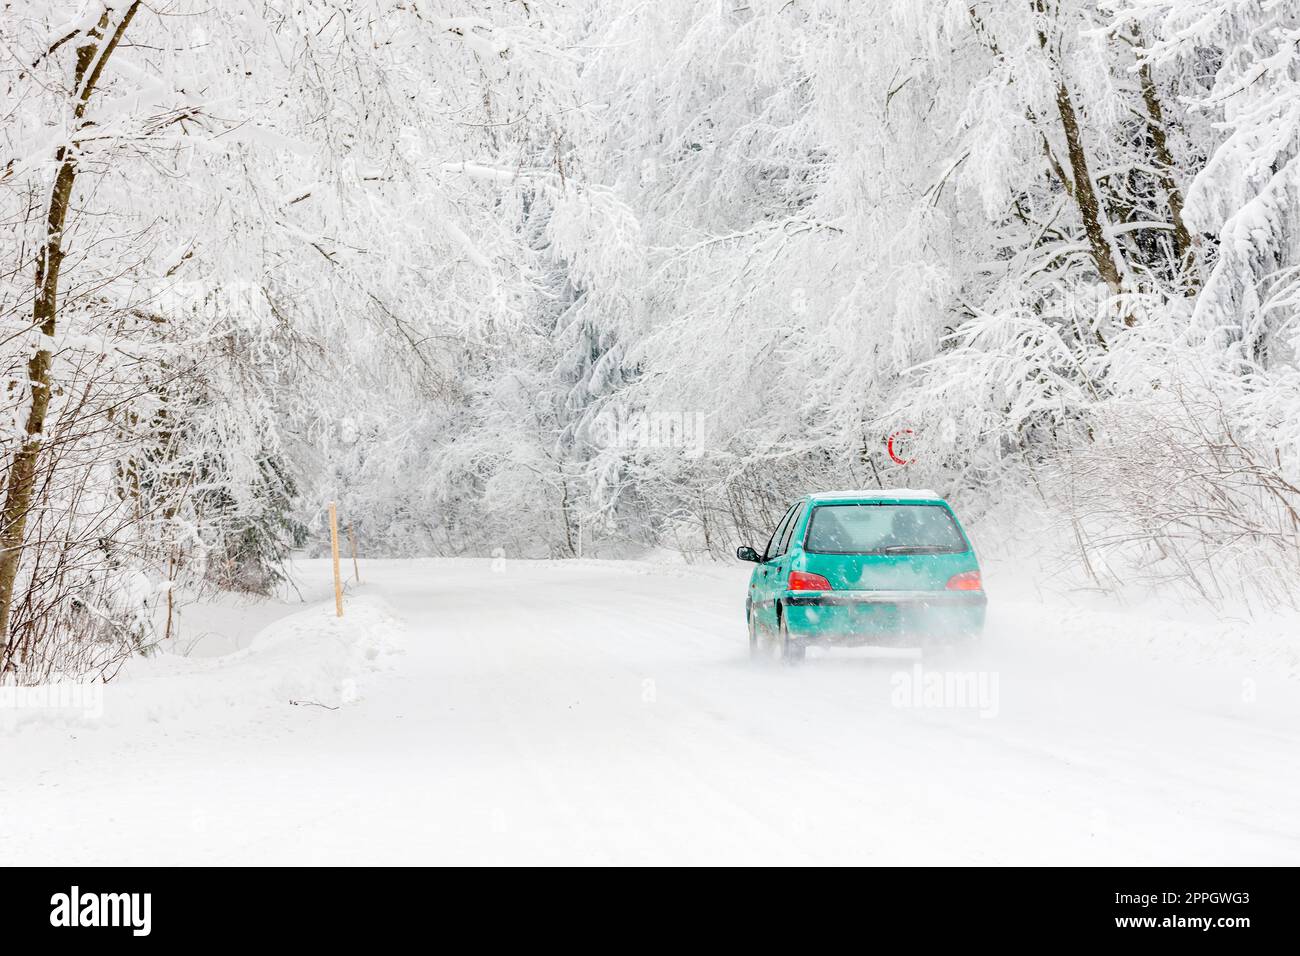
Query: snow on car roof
x,y
877,493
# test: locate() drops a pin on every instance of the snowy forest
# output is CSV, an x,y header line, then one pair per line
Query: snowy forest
x,y
563,278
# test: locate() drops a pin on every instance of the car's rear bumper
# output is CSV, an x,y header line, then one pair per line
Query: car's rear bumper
x,y
897,618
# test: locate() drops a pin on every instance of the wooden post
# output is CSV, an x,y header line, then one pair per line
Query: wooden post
x,y
171,599
352,540
334,547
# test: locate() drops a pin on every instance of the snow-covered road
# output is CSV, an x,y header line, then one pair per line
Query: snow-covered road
x,y
607,712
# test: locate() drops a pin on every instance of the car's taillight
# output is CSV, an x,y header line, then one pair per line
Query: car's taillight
x,y
966,581
803,581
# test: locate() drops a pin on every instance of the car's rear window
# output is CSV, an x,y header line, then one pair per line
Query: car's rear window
x,y
883,529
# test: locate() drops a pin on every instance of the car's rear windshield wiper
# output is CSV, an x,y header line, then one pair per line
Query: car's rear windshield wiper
x,y
916,549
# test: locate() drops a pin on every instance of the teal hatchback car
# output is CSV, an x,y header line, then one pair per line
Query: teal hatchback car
x,y
846,568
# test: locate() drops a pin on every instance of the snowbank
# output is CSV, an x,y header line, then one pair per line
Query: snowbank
x,y
310,658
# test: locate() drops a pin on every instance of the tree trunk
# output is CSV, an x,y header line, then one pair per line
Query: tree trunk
x,y
1165,159
91,58
1082,189
1085,194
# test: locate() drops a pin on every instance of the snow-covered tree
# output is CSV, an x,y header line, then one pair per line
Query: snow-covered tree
x,y
563,277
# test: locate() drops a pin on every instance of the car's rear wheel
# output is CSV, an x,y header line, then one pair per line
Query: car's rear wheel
x,y
792,651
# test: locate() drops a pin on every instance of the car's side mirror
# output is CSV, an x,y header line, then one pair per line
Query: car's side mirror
x,y
746,553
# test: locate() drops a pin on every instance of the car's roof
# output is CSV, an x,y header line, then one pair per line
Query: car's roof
x,y
877,494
